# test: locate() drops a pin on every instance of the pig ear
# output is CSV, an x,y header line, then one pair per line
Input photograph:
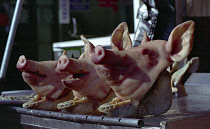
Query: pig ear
x,y
145,38
180,41
120,39
89,47
64,52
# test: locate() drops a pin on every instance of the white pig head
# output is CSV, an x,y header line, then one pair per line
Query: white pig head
x,y
82,78
133,71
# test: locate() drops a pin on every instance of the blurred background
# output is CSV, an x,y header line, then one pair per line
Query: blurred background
x,y
44,22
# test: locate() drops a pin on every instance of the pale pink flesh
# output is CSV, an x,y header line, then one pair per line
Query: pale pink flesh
x,y
130,73
133,71
43,77
82,78
109,57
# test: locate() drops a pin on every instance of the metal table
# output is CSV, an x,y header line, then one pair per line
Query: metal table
x,y
192,111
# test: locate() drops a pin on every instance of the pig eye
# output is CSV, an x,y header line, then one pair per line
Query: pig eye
x,y
148,52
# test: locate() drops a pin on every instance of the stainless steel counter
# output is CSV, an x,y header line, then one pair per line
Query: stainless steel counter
x,y
189,112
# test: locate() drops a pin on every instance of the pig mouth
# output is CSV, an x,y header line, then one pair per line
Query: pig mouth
x,y
30,73
76,76
116,67
75,80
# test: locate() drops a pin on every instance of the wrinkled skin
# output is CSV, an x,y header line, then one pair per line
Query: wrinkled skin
x,y
132,72
45,79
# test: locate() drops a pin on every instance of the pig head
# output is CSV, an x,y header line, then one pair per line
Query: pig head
x,y
132,72
42,76
89,90
82,77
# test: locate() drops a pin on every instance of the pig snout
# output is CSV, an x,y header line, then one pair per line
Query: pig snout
x,y
109,58
21,62
70,65
31,66
63,63
99,54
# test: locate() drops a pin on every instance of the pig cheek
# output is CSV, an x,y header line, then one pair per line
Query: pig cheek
x,y
112,76
73,84
107,74
54,89
32,79
146,63
98,89
47,91
151,63
102,72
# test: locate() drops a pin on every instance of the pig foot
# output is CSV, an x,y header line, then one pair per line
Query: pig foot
x,y
118,108
83,106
